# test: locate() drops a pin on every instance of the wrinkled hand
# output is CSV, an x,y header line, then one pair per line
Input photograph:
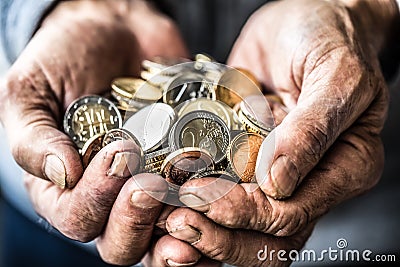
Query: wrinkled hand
x,y
79,48
319,58
316,56
195,240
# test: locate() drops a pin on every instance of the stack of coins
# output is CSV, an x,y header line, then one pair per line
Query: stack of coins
x,y
190,119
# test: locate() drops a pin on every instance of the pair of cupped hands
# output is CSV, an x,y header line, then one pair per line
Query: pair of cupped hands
x,y
313,54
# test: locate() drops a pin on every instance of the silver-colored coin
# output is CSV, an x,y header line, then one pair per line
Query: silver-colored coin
x,y
257,110
124,135
158,155
89,116
186,86
215,174
204,130
151,125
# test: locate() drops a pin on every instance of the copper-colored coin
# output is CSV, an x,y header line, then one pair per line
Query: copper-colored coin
x,y
124,135
242,155
91,148
180,165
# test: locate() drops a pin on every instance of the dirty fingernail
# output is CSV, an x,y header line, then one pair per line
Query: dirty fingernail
x,y
195,202
187,233
284,176
176,264
125,164
145,200
54,170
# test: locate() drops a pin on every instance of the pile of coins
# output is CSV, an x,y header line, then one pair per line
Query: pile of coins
x,y
191,119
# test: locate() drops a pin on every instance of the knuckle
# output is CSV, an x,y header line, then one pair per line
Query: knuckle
x,y
71,229
77,225
313,138
288,219
224,250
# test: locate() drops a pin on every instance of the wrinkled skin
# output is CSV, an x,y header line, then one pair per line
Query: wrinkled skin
x,y
316,57
311,53
79,48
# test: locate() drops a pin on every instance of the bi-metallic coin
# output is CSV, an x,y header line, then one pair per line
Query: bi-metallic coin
x,y
89,116
204,130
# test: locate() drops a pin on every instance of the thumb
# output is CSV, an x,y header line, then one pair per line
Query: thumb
x,y
329,103
29,114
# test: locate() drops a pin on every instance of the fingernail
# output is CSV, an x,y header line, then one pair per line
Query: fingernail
x,y
187,233
195,202
54,170
124,165
161,224
146,200
264,160
284,176
176,264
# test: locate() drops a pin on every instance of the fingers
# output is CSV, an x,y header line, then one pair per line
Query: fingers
x,y
327,85
329,103
130,226
81,213
236,247
169,251
29,117
352,166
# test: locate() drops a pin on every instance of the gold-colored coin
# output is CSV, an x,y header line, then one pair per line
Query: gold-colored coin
x,y
228,96
157,79
135,90
242,155
249,126
91,148
227,114
180,165
203,58
236,84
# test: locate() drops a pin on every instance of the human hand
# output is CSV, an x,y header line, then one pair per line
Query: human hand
x,y
79,48
192,232
320,57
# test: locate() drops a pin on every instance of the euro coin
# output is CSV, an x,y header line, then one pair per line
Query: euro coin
x,y
242,155
187,86
204,130
91,148
180,165
151,125
89,116
257,110
227,114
